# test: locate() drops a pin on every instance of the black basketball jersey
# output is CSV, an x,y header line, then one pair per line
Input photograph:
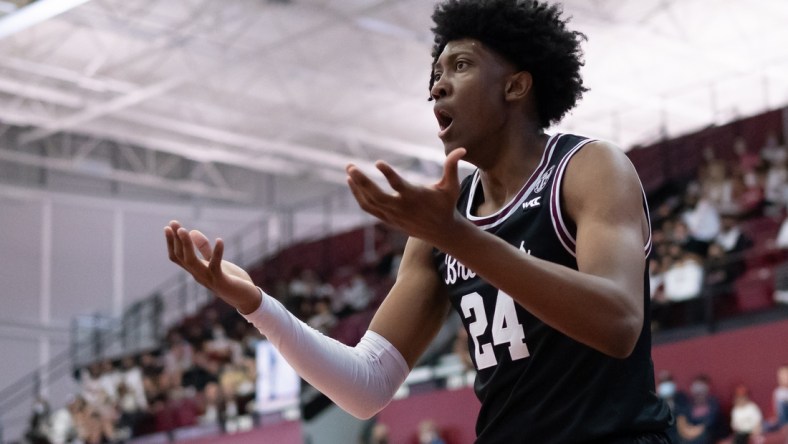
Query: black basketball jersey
x,y
537,385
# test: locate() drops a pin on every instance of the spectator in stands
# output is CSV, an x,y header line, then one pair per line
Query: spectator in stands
x,y
380,257
154,379
746,161
429,433
774,152
222,348
131,393
697,422
353,297
780,401
682,237
683,283
380,434
676,400
701,218
660,304
748,197
90,425
236,382
721,273
781,271
61,426
323,319
716,185
39,424
109,379
203,379
305,287
130,412
775,185
177,357
746,417
91,386
730,236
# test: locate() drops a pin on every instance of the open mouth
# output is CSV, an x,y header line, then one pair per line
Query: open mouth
x,y
444,119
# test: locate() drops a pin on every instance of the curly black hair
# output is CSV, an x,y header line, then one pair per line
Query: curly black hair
x,y
530,34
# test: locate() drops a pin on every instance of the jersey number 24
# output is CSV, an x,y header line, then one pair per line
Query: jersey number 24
x,y
505,328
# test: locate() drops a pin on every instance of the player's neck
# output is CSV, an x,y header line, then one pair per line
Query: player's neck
x,y
516,160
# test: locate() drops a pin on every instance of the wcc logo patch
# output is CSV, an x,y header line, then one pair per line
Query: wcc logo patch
x,y
533,203
541,182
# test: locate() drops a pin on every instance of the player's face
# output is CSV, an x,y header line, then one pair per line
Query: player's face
x,y
470,82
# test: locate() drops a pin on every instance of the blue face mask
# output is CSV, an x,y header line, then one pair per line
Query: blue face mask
x,y
666,389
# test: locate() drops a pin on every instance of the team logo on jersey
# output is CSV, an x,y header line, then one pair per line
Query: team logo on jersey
x,y
541,182
533,203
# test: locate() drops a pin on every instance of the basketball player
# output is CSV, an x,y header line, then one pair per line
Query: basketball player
x,y
542,250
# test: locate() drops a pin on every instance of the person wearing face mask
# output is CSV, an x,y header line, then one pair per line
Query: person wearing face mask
x,y
697,422
673,397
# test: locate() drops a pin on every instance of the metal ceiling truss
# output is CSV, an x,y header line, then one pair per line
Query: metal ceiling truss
x,y
54,99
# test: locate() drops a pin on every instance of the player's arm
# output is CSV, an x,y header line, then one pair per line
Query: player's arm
x,y
601,304
361,379
416,306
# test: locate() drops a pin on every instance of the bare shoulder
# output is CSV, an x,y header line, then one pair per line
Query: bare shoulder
x,y
601,175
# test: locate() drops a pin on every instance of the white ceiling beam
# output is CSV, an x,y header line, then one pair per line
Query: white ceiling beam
x,y
97,84
151,181
33,14
94,112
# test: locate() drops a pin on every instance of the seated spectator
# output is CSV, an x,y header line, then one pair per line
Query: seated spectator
x,y
746,161
353,297
730,236
746,417
775,184
748,197
773,152
131,411
722,270
109,379
683,283
177,357
660,305
90,381
716,185
131,377
323,319
429,433
780,401
697,422
675,399
303,289
781,271
39,424
682,237
61,427
701,217
222,348
91,426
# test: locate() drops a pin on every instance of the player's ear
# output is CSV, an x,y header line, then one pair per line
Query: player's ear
x,y
518,85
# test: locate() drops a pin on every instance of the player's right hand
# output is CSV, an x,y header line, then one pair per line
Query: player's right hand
x,y
227,280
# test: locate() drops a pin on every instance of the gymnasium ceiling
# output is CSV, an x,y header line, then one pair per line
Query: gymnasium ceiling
x,y
213,98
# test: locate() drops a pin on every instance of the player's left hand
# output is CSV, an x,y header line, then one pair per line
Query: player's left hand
x,y
425,212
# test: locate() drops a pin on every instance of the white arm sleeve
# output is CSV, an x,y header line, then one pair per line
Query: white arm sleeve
x,y
361,379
